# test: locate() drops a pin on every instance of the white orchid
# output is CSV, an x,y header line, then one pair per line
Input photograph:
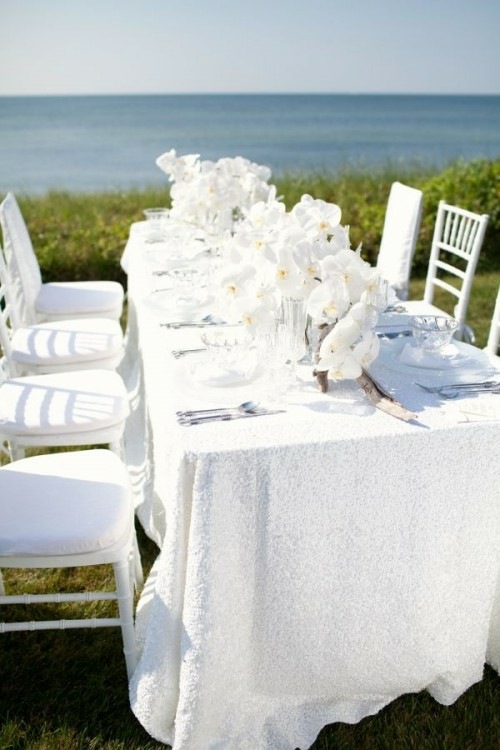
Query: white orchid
x,y
316,217
179,168
214,193
367,349
329,301
306,254
267,254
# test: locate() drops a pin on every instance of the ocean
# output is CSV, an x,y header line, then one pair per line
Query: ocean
x,y
91,143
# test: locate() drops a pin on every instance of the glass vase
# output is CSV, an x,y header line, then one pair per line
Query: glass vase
x,y
294,315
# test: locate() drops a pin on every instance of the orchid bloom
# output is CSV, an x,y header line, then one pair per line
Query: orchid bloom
x,y
234,281
366,350
329,301
316,217
178,167
288,278
342,366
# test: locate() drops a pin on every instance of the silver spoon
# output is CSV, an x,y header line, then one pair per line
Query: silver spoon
x,y
247,407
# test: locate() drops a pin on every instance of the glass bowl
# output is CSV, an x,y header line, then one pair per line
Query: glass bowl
x,y
227,346
433,332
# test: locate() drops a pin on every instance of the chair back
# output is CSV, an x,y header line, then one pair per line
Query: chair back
x,y
494,337
9,320
20,257
399,236
456,244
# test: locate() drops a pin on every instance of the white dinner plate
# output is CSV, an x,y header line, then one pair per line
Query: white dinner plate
x,y
208,374
469,361
450,358
199,383
164,305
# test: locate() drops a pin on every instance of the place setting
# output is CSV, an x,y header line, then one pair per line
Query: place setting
x,y
236,372
431,352
442,371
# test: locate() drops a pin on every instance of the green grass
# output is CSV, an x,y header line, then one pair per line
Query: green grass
x,y
67,690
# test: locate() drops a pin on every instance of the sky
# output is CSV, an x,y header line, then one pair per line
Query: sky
x,y
249,46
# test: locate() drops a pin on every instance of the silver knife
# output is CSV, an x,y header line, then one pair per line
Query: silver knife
x,y
178,353
187,421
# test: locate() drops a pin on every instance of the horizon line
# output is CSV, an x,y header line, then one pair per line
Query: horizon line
x,y
253,93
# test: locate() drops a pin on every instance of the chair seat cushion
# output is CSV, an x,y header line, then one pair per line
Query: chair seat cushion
x,y
80,298
64,504
62,403
67,341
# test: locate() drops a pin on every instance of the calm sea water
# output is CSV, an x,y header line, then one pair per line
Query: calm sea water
x,y
87,143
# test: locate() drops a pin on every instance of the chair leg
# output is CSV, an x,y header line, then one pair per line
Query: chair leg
x,y
126,611
16,451
138,575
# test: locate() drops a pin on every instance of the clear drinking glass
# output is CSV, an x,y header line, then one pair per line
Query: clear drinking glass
x,y
156,223
273,346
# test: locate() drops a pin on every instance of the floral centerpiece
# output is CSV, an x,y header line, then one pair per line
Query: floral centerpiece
x,y
304,255
275,262
214,195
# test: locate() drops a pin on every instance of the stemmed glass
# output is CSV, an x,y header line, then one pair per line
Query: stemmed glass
x,y
273,345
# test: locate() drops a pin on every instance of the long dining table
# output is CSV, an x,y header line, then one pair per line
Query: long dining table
x,y
314,564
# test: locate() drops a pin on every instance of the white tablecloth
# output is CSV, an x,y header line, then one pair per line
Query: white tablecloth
x,y
314,564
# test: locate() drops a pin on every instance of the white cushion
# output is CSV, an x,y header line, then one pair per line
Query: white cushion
x,y
64,504
80,298
62,403
67,341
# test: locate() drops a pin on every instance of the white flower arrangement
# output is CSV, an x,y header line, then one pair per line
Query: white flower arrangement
x,y
304,254
268,254
212,195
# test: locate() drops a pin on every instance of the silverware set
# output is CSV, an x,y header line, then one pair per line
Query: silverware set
x,y
452,390
208,320
224,414
178,353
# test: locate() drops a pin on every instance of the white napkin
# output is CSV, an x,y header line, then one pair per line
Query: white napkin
x,y
448,357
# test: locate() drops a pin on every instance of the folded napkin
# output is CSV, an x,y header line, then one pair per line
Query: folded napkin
x,y
448,357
